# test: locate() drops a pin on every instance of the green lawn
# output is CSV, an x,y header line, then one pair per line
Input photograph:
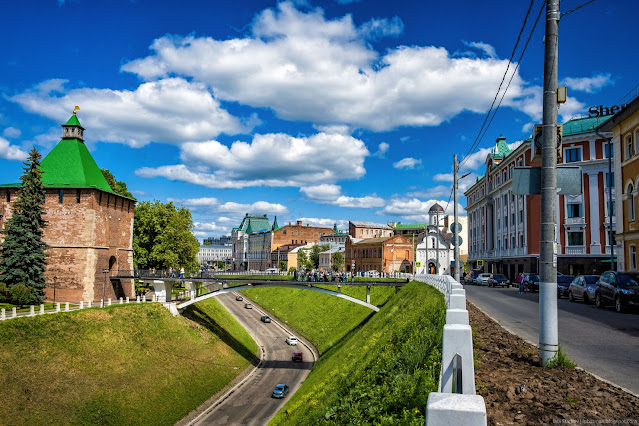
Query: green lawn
x,y
382,372
379,294
124,364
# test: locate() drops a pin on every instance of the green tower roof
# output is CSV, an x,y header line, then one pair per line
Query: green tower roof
x,y
275,225
73,121
249,230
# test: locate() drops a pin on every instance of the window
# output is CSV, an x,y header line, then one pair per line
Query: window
x,y
609,151
576,238
8,196
631,203
610,179
633,258
44,197
521,240
284,232
512,219
521,216
611,208
498,244
497,223
100,199
574,210
572,155
628,147
61,196
77,196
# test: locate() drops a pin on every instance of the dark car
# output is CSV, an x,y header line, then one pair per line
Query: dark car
x,y
471,278
620,289
280,391
531,282
563,282
498,280
583,288
239,298
297,357
265,318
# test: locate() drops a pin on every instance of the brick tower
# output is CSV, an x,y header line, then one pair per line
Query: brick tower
x,y
89,226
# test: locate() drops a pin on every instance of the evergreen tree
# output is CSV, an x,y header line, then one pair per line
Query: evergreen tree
x,y
22,253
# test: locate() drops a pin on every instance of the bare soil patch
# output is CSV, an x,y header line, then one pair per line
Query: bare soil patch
x,y
518,390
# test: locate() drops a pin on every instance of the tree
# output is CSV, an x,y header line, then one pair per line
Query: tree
x,y
315,251
337,259
22,253
117,186
302,260
162,237
281,266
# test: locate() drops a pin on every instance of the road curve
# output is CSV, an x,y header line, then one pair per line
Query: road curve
x,y
251,402
600,341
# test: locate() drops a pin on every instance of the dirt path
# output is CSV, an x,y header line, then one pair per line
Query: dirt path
x,y
517,390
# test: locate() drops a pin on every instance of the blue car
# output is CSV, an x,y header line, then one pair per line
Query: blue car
x,y
280,391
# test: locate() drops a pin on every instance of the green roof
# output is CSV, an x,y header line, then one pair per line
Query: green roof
x,y
577,126
502,148
73,121
275,225
409,225
256,222
69,164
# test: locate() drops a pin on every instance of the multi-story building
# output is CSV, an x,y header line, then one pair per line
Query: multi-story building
x,y
369,230
382,254
217,255
89,226
504,228
625,139
240,236
224,240
281,254
326,258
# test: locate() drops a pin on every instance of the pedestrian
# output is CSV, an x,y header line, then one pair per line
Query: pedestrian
x,y
520,282
181,273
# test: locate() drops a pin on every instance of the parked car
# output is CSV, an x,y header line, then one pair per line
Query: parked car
x,y
297,357
248,306
265,318
618,288
563,282
280,391
272,271
482,279
498,280
531,282
583,288
472,276
239,298
291,340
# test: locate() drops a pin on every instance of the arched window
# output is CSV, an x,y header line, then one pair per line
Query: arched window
x,y
631,203
629,147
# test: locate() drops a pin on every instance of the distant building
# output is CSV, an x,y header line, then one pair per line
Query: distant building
x,y
326,258
240,236
435,251
382,254
217,255
89,226
224,240
369,230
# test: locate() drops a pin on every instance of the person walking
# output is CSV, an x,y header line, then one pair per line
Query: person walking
x,y
520,282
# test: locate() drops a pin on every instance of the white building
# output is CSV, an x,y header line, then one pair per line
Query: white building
x,y
326,258
214,254
435,251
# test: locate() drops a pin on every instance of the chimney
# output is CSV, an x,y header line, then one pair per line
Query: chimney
x,y
299,223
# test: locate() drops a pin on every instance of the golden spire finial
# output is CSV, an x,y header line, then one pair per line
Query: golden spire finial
x,y
76,109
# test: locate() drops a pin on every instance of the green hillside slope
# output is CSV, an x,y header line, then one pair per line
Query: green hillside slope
x,y
130,364
382,372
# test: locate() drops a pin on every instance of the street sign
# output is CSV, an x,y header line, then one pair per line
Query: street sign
x,y
457,242
455,225
527,180
480,263
418,264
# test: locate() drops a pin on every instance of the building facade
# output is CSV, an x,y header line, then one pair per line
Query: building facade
x,y
504,227
89,226
383,254
625,139
218,255
360,229
240,238
224,240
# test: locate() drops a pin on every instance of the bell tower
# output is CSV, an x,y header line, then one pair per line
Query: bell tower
x,y
72,129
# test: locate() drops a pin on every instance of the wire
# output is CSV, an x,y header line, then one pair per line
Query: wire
x,y
512,55
576,8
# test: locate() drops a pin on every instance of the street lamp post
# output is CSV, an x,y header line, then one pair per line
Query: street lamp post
x,y
54,280
105,272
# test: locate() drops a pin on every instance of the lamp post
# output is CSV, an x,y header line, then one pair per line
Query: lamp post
x,y
54,280
105,272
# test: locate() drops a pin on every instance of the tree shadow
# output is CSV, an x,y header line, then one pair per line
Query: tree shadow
x,y
195,314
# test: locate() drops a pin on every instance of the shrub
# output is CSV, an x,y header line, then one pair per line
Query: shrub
x,y
560,360
4,294
21,295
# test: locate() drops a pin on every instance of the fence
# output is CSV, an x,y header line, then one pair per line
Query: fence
x,y
456,401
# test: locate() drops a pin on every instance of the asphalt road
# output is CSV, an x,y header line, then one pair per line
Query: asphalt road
x,y
251,403
600,341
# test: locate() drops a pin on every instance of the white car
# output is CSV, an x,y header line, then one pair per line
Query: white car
x,y
482,279
291,340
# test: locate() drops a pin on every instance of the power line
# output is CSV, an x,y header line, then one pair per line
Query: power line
x,y
576,8
512,55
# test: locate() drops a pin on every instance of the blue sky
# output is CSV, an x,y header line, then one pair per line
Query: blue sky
x,y
317,111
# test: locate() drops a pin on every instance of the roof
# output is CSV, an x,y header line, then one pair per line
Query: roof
x,y
410,225
360,224
623,114
372,240
502,148
256,222
275,226
217,247
73,121
581,125
436,208
69,164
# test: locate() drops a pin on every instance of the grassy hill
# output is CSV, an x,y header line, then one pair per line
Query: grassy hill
x,y
129,364
379,373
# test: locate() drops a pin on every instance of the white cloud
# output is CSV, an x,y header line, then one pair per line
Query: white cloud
x,y
588,84
571,108
443,177
269,160
475,160
332,194
485,47
232,207
407,163
378,28
11,132
171,110
381,150
325,223
415,209
209,226
439,191
11,152
306,67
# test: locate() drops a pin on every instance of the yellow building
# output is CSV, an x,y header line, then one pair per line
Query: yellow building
x,y
624,126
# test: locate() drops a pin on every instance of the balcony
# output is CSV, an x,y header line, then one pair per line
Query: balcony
x,y
575,250
575,221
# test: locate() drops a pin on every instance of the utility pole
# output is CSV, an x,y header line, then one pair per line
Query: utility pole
x,y
548,328
455,222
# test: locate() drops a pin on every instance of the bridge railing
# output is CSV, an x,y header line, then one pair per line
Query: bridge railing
x,y
456,402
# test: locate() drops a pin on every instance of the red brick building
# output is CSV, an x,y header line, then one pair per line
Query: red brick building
x,y
385,254
89,226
